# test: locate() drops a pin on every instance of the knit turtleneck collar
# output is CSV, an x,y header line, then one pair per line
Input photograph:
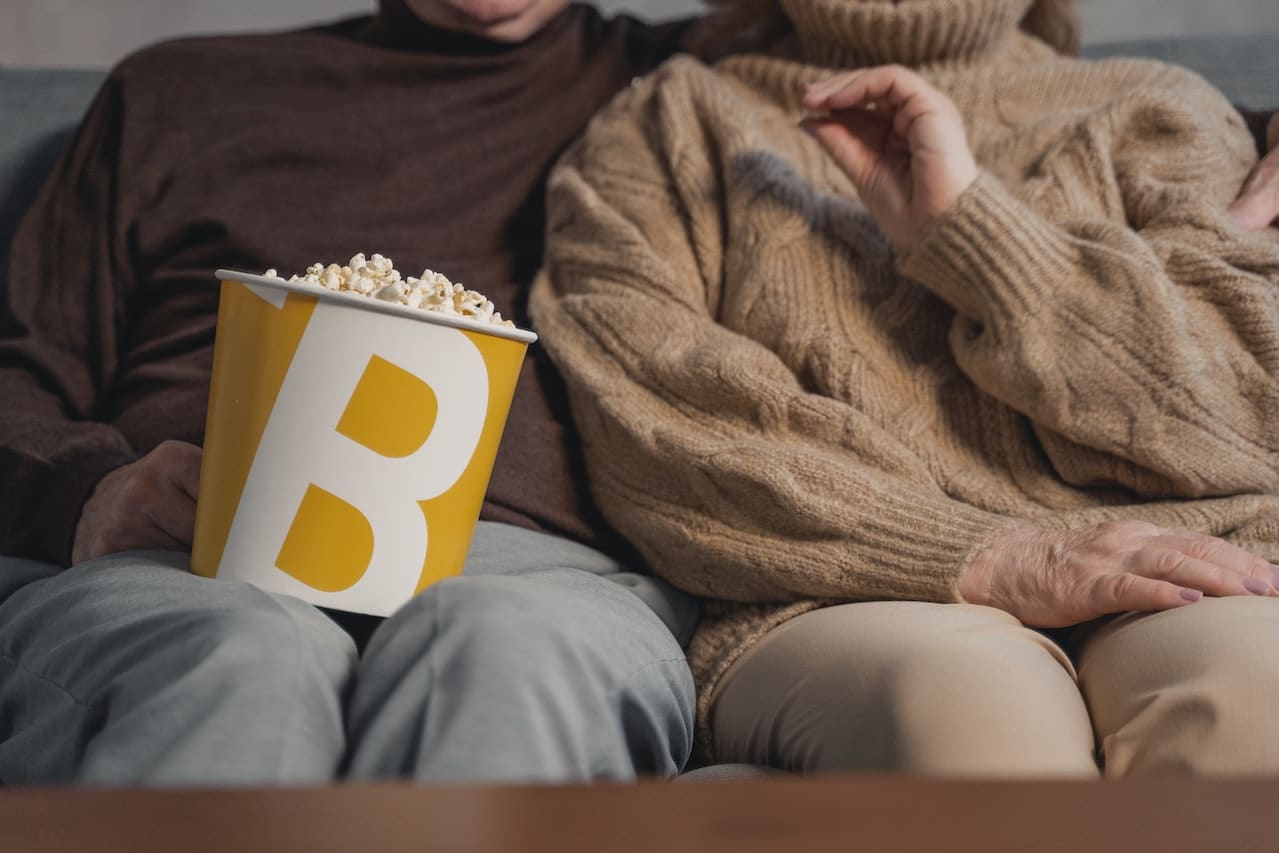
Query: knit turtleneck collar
x,y
859,33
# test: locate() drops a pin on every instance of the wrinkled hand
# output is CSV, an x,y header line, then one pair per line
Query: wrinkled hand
x,y
899,140
1257,207
149,503
1053,579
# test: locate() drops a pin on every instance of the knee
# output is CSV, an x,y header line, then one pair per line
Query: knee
x,y
974,655
551,674
148,606
990,698
957,690
500,623
257,630
555,627
148,635
1189,690
248,639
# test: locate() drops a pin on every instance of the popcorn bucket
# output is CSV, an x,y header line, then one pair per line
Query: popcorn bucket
x,y
349,442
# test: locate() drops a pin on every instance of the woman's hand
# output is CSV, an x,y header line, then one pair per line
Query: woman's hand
x,y
900,141
1257,207
1052,579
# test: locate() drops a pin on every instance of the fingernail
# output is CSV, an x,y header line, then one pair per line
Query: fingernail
x,y
1191,594
1275,570
1255,586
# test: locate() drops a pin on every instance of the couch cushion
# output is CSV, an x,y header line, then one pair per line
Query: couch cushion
x,y
729,773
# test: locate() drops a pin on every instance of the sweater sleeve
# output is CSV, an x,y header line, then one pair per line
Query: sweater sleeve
x,y
59,319
703,447
1139,329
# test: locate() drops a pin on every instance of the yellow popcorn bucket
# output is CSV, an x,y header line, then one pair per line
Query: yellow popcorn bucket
x,y
349,442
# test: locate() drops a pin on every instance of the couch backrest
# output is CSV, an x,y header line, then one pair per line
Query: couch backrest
x,y
1245,67
40,108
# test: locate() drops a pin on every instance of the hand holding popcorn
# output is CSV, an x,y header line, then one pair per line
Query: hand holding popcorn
x,y
147,504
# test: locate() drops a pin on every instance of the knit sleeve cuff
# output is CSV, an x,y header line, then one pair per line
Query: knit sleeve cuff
x,y
989,256
934,541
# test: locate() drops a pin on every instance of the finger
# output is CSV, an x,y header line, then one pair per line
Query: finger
x,y
891,84
848,90
186,473
1258,205
172,522
880,105
1215,550
143,536
1176,566
128,531
915,110
851,141
1272,133
1255,210
820,87
1121,592
177,464
165,540
87,548
815,94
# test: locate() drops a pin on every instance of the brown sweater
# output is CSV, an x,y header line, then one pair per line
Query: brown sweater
x,y
278,151
780,411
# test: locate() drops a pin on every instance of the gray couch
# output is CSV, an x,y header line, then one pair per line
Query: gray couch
x,y
39,111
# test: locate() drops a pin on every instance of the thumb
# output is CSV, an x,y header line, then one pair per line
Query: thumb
x,y
849,141
1258,206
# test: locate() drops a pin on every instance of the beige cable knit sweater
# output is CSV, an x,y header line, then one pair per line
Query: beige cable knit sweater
x,y
781,412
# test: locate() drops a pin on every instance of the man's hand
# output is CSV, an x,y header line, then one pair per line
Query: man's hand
x,y
146,504
1053,579
1257,207
899,140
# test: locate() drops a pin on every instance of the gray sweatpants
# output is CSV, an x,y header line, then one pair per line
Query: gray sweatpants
x,y
545,661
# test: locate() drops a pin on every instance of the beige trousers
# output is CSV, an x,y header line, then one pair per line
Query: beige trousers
x,y
963,690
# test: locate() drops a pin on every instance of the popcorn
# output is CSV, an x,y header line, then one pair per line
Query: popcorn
x,y
377,277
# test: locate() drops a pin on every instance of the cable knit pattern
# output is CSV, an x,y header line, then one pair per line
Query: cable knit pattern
x,y
781,412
